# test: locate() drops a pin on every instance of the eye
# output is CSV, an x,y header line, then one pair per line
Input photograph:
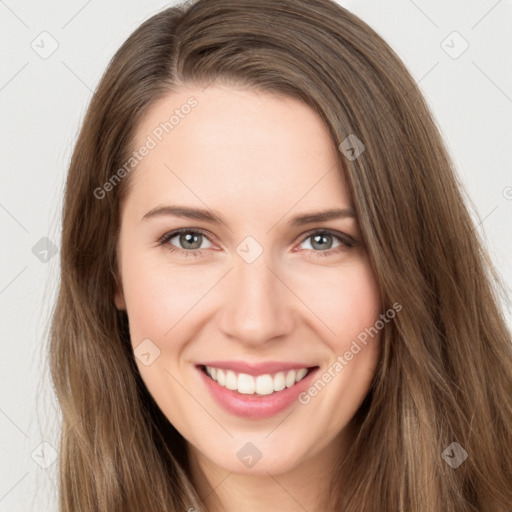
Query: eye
x,y
322,242
190,239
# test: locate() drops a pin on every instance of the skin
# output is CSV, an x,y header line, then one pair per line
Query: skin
x,y
258,160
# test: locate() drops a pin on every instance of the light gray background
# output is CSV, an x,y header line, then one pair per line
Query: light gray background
x,y
43,102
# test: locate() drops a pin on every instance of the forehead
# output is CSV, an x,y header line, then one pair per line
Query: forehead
x,y
238,148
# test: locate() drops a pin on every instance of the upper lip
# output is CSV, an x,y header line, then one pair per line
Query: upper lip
x,y
255,369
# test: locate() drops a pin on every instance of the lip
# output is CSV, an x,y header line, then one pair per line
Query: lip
x,y
256,369
255,406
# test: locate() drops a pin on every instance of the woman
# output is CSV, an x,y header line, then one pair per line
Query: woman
x,y
254,369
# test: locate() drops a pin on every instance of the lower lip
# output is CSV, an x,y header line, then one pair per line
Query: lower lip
x,y
256,406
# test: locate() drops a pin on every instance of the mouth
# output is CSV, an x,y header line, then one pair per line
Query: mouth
x,y
252,394
258,385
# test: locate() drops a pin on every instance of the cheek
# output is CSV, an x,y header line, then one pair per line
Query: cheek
x,y
358,306
345,299
349,303
158,296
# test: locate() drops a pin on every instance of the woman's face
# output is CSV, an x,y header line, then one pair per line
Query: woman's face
x,y
261,296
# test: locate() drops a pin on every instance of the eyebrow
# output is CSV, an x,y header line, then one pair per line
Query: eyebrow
x,y
214,218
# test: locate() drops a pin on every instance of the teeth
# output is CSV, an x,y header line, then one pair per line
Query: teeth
x,y
290,378
301,374
279,381
262,384
221,377
231,380
246,384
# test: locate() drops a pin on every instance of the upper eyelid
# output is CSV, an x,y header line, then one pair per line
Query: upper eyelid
x,y
174,233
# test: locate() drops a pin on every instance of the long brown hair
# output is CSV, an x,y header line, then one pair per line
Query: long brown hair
x,y
445,373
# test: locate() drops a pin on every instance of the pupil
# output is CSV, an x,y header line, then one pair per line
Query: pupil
x,y
322,238
188,239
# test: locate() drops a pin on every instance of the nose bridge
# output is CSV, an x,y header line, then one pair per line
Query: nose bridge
x,y
257,304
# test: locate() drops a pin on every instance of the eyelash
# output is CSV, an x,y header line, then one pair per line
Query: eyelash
x,y
346,241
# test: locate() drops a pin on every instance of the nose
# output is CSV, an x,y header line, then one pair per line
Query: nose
x,y
258,306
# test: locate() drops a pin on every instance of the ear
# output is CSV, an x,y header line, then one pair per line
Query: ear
x,y
119,296
119,301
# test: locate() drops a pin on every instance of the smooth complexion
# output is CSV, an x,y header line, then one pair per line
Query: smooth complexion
x,y
257,160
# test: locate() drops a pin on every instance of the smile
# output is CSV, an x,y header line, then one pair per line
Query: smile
x,y
265,384
255,391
